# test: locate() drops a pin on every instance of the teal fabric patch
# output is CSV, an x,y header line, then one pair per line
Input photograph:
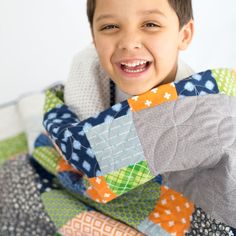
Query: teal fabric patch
x,y
116,144
149,228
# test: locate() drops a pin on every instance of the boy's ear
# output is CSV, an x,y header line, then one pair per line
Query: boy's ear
x,y
93,40
186,35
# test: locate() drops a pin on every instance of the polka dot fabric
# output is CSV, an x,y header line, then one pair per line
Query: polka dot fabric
x,y
197,85
172,212
21,208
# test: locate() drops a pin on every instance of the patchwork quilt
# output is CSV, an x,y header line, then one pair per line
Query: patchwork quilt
x,y
162,163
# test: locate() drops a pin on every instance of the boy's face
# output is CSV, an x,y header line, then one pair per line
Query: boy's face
x,y
138,42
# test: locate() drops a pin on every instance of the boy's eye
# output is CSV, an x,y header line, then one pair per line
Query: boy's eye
x,y
109,27
151,25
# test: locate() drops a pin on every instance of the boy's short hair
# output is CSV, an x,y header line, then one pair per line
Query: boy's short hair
x,y
183,9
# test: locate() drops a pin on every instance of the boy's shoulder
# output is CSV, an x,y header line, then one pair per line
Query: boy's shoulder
x,y
183,71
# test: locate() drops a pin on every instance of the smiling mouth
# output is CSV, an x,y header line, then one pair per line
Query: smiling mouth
x,y
135,67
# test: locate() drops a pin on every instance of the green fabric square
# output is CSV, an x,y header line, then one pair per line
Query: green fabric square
x,y
226,81
132,207
128,178
61,206
51,101
47,157
12,147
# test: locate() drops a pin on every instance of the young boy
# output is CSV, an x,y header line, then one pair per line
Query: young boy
x,y
170,130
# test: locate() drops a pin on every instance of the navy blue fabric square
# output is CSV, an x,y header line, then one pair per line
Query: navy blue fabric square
x,y
114,112
158,179
69,134
72,182
233,230
43,141
197,85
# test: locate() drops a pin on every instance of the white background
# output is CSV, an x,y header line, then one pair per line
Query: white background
x,y
38,39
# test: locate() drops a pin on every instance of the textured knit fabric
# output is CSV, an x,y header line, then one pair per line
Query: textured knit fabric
x,y
87,75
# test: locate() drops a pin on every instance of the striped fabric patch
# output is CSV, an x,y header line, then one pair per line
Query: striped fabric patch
x,y
226,81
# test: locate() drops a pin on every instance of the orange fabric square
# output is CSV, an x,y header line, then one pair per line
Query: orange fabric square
x,y
99,190
98,226
172,212
154,97
64,166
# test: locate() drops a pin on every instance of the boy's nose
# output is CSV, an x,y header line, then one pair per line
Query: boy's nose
x,y
129,42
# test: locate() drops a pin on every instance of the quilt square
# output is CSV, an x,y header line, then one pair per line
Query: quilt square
x,y
115,144
128,178
197,85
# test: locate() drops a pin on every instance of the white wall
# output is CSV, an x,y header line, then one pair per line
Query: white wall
x,y
214,43
39,38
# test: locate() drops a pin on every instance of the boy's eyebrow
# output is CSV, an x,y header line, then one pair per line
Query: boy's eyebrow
x,y
151,11
105,16
145,12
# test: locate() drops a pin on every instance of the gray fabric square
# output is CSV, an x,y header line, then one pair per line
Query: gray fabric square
x,y
192,142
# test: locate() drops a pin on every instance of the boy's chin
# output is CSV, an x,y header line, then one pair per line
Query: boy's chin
x,y
134,91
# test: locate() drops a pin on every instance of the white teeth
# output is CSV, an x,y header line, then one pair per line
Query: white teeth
x,y
136,63
134,71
